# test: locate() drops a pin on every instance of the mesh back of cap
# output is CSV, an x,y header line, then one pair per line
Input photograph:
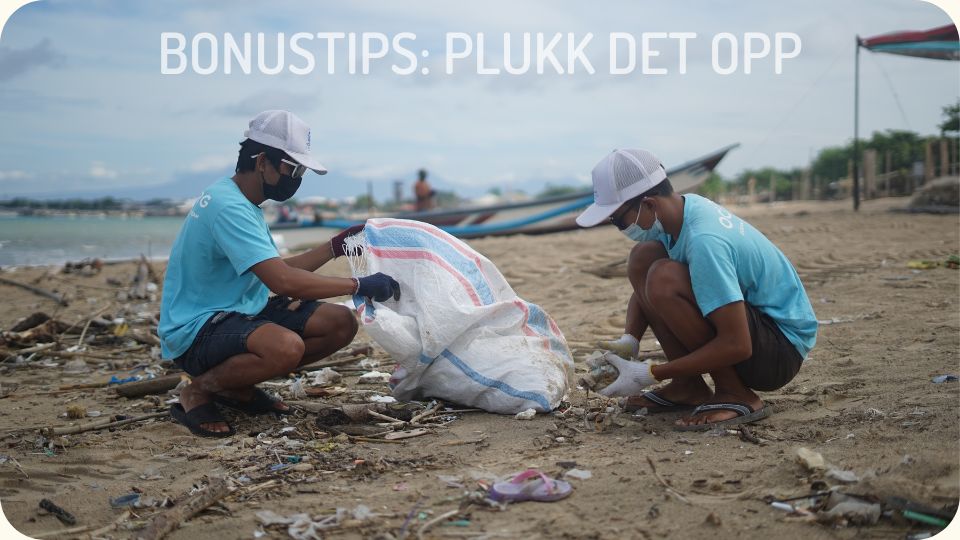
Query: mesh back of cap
x,y
274,124
632,166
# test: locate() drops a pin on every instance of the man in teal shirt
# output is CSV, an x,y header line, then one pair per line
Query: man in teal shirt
x,y
720,297
217,321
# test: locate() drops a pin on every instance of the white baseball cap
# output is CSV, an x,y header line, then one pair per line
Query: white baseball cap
x,y
619,177
283,130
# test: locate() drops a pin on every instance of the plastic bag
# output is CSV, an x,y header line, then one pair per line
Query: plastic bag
x,y
459,332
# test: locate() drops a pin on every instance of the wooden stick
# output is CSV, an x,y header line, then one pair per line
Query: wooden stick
x,y
664,483
329,363
165,523
36,290
426,526
147,387
90,320
97,426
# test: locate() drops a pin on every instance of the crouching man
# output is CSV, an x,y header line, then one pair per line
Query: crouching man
x,y
719,296
216,321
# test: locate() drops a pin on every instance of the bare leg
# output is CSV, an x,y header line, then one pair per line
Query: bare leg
x,y
641,314
671,297
274,351
329,329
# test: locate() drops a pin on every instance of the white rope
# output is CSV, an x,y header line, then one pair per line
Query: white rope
x,y
355,249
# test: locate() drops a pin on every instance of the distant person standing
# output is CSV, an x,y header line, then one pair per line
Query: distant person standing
x,y
423,192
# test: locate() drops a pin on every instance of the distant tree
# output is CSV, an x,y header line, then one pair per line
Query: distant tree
x,y
952,120
712,187
364,201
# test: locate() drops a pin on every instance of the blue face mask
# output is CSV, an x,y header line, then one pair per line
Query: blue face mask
x,y
638,234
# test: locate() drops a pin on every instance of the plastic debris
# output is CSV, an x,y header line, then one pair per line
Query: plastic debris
x,y
369,363
939,379
846,477
782,506
525,415
579,474
374,377
115,380
324,377
810,459
297,390
382,399
130,499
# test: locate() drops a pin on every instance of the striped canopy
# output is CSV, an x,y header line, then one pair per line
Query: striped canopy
x,y
939,43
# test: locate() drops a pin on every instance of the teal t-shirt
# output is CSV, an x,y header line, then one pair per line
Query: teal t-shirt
x,y
731,261
221,238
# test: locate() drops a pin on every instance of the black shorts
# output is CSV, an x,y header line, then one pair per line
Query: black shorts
x,y
225,333
775,361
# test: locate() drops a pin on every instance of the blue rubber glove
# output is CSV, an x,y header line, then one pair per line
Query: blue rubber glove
x,y
379,287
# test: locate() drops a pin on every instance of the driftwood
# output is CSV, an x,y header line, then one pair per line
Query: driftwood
x,y
147,387
30,321
97,426
58,298
163,524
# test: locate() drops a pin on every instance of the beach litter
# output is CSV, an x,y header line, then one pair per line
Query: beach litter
x,y
940,379
526,415
66,517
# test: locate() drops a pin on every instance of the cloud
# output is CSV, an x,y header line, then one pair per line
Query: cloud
x,y
16,62
211,163
249,106
14,175
100,171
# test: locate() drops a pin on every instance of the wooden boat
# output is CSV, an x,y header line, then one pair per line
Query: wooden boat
x,y
533,217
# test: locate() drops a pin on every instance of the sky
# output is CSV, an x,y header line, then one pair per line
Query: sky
x,y
86,111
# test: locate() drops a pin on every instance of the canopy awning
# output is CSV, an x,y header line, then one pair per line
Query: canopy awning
x,y
940,43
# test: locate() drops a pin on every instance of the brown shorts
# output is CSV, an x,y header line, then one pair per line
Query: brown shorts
x,y
775,361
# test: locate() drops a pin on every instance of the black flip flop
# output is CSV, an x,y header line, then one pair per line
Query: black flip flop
x,y
260,403
745,415
201,414
660,404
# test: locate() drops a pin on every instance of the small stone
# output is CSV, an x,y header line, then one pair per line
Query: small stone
x,y
714,519
716,474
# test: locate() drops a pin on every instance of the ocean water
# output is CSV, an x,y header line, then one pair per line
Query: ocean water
x,y
55,240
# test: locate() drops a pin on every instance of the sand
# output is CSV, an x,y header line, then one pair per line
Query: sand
x,y
864,400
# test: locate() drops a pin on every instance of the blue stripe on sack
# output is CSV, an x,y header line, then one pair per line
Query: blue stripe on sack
x,y
494,383
538,321
423,239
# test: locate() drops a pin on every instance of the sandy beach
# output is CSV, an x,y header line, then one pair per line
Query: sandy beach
x,y
864,400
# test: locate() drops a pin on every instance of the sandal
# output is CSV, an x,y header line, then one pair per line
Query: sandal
x,y
660,404
201,414
530,485
745,415
260,403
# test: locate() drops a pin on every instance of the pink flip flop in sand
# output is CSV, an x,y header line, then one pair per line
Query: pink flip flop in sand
x,y
530,485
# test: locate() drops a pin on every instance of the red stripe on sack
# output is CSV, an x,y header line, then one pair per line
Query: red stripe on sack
x,y
410,254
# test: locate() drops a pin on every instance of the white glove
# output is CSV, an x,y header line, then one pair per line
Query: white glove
x,y
626,345
634,377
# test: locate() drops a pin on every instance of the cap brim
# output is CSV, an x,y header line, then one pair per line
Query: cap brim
x,y
596,214
309,162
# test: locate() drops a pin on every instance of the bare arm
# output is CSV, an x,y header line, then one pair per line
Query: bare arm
x,y
287,280
730,345
312,259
